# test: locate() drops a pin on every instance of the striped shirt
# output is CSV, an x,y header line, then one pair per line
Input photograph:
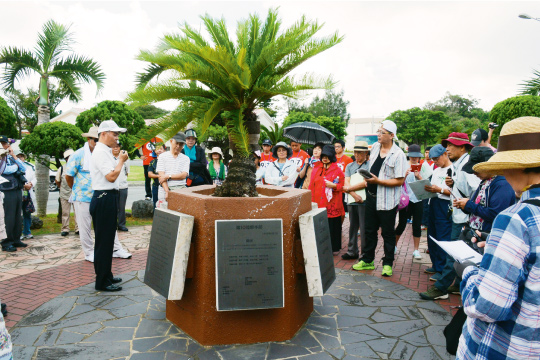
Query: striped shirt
x,y
502,296
172,166
394,166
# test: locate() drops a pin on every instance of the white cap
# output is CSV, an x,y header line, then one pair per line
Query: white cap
x,y
110,125
390,126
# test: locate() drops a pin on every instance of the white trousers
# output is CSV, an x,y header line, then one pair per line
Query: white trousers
x,y
84,221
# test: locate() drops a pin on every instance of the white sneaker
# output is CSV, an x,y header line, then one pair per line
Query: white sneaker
x,y
416,255
89,257
123,254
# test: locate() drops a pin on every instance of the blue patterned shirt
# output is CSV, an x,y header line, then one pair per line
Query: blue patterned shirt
x,y
82,185
502,296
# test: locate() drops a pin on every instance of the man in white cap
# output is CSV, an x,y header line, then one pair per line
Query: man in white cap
x,y
388,167
65,194
77,175
105,170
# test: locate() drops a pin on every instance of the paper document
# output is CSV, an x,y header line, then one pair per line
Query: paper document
x,y
460,251
426,171
356,178
417,188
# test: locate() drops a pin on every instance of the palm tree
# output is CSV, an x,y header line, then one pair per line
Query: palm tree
x,y
51,58
531,86
274,134
219,75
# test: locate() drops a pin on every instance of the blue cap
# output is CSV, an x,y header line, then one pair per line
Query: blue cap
x,y
437,151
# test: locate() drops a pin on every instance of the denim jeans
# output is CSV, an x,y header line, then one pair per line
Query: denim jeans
x,y
449,274
27,222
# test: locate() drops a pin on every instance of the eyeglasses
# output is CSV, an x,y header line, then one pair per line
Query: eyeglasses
x,y
380,132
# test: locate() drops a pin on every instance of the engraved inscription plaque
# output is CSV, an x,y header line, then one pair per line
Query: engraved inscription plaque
x,y
249,264
168,253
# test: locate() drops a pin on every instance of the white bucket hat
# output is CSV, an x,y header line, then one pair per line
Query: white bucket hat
x,y
216,150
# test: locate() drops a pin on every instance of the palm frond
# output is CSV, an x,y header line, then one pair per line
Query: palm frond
x,y
54,39
167,91
217,106
150,72
531,86
234,121
218,32
19,63
194,35
69,86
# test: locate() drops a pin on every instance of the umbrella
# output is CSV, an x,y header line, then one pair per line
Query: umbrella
x,y
308,133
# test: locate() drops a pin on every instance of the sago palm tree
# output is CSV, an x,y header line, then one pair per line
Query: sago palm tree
x,y
52,58
218,74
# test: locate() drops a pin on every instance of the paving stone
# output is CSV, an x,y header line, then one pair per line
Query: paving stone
x,y
175,331
140,298
49,312
430,305
382,345
326,341
172,344
148,356
381,317
383,294
351,337
325,310
349,321
357,311
151,328
441,351
324,322
417,338
358,286
329,332
118,303
436,317
67,337
155,315
412,312
328,300
84,351
424,353
319,356
130,310
175,356
80,309
403,351
97,301
339,291
435,335
372,301
47,338
130,321
396,311
111,334
360,348
352,299
364,330
279,351
131,283
407,294
248,352
208,355
26,335
337,353
23,352
147,344
399,328
305,339
86,318
84,329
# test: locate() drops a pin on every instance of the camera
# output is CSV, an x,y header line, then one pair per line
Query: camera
x,y
467,234
493,125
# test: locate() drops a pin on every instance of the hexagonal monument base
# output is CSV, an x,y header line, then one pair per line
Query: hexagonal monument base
x,y
196,313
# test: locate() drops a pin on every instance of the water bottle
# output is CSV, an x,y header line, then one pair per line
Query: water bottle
x,y
336,180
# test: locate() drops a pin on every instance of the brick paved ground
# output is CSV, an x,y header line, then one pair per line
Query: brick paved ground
x,y
53,265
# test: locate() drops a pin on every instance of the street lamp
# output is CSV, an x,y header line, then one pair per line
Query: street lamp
x,y
527,17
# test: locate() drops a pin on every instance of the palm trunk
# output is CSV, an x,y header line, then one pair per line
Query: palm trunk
x,y
42,169
240,180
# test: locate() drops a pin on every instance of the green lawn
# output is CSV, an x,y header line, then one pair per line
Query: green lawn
x,y
50,226
136,173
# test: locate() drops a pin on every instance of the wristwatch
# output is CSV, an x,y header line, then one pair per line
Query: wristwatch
x,y
442,191
169,177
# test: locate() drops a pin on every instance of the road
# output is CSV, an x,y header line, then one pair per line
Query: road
x,y
134,193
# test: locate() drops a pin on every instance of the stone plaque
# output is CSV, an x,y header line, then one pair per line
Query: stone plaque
x,y
168,253
317,249
249,264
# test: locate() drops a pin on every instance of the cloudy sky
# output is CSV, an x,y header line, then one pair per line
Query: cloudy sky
x,y
396,55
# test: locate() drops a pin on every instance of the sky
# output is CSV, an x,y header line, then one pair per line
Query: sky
x,y
395,55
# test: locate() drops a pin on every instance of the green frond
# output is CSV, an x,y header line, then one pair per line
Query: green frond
x,y
150,72
194,35
218,32
54,39
19,63
68,85
81,68
234,121
217,106
531,86
167,91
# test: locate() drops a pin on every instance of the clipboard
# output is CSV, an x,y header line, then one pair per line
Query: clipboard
x,y
356,179
417,188
460,251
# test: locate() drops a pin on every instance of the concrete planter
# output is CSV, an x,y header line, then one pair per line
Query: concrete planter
x,y
196,313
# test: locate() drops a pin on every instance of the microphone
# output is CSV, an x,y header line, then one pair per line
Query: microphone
x,y
449,172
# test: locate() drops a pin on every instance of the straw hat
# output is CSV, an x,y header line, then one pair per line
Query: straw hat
x,y
519,147
92,133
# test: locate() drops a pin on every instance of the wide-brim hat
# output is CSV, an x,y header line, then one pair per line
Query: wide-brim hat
x,y
414,151
518,148
457,139
330,151
283,145
68,153
478,155
361,146
216,150
92,133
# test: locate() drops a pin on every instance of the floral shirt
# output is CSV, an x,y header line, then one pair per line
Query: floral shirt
x,y
476,221
82,184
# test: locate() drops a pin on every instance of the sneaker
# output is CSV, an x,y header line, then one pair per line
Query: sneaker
x,y
409,221
64,233
29,236
147,198
416,255
453,289
347,256
435,277
123,254
89,258
362,265
434,294
386,270
430,270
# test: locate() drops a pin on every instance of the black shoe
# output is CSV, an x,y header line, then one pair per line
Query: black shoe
x,y
20,244
123,228
346,256
9,248
110,288
64,233
76,233
4,310
116,280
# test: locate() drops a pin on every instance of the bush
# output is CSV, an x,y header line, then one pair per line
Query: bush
x,y
7,120
513,108
52,139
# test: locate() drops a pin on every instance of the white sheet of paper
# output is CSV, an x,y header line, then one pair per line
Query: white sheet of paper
x,y
417,188
426,171
460,251
356,178
2,180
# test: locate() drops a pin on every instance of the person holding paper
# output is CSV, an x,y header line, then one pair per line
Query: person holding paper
x,y
415,208
501,297
354,188
440,223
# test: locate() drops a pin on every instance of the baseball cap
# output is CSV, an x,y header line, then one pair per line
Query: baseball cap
x,y
110,125
478,136
180,137
437,151
4,138
477,156
267,142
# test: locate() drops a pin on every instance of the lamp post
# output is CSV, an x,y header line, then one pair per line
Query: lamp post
x,y
527,17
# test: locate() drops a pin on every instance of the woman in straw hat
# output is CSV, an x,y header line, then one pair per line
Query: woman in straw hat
x,y
502,295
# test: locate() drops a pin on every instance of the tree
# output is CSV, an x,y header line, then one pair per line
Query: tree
x,y
122,114
150,111
7,120
51,59
233,78
531,86
52,139
333,124
419,126
274,133
331,105
513,108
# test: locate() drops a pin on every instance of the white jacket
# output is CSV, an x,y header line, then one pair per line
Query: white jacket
x,y
273,175
30,175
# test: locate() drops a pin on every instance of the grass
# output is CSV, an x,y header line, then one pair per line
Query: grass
x,y
136,173
50,226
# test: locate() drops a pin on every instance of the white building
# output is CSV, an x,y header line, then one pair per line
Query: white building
x,y
68,116
361,127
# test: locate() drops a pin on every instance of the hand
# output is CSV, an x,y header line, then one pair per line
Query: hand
x,y
357,197
10,150
373,180
284,177
306,161
298,169
449,182
460,268
124,155
144,157
432,188
460,204
408,172
163,178
417,175
27,186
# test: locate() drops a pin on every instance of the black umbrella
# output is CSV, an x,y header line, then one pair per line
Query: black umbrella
x,y
308,133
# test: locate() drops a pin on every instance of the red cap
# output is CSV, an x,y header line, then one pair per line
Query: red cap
x,y
457,139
